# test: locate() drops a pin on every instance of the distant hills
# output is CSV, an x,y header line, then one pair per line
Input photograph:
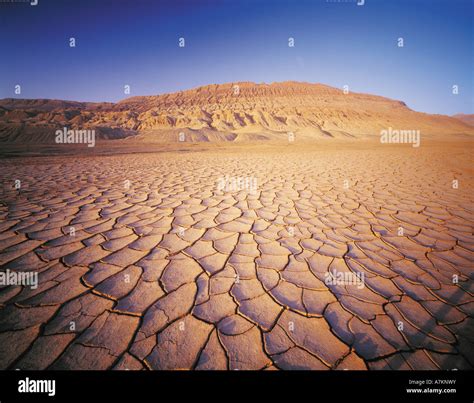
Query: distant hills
x,y
469,119
239,111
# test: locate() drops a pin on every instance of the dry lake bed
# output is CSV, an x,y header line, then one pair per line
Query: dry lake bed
x,y
324,256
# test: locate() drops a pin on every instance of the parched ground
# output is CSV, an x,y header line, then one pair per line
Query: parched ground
x,y
145,264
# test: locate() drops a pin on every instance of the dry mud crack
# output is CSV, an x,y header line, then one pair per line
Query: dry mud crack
x,y
144,263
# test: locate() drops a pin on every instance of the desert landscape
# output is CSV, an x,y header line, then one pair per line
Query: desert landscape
x,y
239,226
236,112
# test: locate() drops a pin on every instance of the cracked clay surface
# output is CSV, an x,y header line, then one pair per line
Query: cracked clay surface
x,y
164,270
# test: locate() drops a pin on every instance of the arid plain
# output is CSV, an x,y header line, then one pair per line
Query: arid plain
x,y
324,249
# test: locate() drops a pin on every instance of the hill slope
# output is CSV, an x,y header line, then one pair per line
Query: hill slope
x,y
466,118
226,112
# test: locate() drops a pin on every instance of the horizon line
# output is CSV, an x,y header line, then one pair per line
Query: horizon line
x,y
229,83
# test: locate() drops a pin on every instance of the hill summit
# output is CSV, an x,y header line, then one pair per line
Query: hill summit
x,y
227,112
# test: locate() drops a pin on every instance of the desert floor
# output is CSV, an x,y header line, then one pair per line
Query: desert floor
x,y
144,262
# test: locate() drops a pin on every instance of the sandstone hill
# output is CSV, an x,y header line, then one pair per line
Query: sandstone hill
x,y
466,118
239,111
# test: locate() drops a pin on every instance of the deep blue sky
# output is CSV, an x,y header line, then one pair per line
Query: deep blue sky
x,y
135,42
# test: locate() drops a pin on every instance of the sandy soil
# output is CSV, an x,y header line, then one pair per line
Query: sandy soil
x,y
167,270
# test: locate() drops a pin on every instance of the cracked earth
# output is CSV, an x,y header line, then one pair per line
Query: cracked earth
x,y
145,264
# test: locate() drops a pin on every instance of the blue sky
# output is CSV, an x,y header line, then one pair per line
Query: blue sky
x,y
135,42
